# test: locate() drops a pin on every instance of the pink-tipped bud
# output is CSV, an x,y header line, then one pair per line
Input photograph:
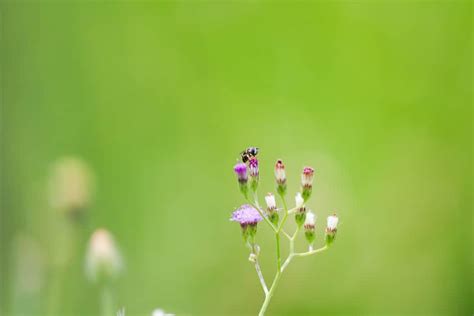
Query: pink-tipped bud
x,y
307,182
253,170
280,177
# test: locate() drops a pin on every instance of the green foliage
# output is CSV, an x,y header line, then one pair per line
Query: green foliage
x,y
159,99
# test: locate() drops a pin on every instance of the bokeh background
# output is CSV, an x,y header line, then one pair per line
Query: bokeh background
x,y
158,99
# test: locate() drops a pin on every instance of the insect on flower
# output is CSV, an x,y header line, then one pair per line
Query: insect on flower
x,y
248,153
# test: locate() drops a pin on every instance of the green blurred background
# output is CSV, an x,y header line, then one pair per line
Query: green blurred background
x,y
158,99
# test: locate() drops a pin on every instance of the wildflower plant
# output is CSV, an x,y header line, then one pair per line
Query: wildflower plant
x,y
251,214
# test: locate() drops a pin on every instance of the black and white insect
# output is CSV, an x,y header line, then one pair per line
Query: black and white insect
x,y
248,153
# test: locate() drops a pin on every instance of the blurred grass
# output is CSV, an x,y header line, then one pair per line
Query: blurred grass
x,y
159,98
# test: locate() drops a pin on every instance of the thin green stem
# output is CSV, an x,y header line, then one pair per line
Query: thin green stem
x,y
285,216
254,251
269,296
286,234
277,237
309,253
106,301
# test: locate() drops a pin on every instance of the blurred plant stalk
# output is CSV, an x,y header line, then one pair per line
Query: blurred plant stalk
x,y
71,186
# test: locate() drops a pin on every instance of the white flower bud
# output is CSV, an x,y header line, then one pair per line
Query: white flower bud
x,y
310,219
332,223
271,203
103,259
299,200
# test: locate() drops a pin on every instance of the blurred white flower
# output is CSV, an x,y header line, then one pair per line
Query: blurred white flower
x,y
71,185
160,312
121,312
103,259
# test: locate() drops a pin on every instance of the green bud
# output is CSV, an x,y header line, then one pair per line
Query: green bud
x,y
306,192
244,188
300,216
274,218
281,189
248,232
310,236
330,237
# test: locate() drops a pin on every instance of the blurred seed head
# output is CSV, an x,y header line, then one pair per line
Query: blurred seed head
x,y
71,186
103,259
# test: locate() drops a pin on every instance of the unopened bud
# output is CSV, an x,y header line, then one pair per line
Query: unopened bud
x,y
331,229
300,216
280,177
299,200
271,208
103,260
309,225
307,182
241,170
253,168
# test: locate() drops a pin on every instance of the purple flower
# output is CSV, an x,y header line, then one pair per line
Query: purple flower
x,y
246,215
241,171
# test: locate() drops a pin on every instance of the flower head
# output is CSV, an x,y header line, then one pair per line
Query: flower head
x,y
307,182
300,215
309,224
307,176
280,177
271,203
332,223
310,220
241,171
299,201
248,217
271,208
280,174
253,167
331,229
